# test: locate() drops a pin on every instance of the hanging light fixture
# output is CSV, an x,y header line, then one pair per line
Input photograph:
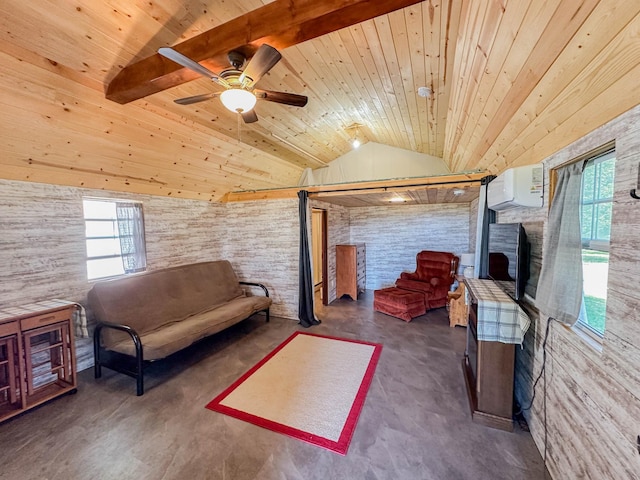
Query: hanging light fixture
x,y
238,100
356,140
354,132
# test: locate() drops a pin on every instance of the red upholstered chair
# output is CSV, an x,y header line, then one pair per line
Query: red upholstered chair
x,y
434,275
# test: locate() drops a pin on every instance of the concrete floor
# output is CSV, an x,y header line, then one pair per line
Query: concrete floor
x,y
415,423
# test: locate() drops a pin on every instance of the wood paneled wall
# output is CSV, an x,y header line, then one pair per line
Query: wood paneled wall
x,y
592,398
395,234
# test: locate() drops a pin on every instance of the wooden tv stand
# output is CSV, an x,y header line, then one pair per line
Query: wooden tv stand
x,y
488,368
37,355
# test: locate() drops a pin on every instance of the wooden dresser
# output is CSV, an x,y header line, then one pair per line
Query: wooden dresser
x,y
37,355
350,270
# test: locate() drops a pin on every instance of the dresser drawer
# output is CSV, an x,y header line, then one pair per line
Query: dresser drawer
x,y
45,319
9,328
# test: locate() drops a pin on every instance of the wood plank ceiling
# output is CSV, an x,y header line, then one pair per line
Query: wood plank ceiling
x,y
513,82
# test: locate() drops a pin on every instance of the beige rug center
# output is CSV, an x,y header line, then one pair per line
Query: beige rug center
x,y
310,385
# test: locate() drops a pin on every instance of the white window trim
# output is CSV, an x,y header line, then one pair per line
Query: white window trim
x,y
588,336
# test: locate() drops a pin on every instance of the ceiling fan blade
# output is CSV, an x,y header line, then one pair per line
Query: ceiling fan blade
x,y
196,98
186,62
250,116
263,61
282,97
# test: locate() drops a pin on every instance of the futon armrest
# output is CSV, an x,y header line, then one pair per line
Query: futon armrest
x,y
99,353
117,326
266,292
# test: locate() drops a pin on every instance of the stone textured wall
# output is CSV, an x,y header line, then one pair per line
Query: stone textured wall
x,y
42,246
473,225
395,234
592,397
261,240
43,252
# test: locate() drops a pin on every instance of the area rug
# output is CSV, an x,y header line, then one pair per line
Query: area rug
x,y
311,387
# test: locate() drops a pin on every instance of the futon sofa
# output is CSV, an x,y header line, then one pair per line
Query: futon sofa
x,y
150,316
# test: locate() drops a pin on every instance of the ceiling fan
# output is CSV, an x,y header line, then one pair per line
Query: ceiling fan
x,y
240,94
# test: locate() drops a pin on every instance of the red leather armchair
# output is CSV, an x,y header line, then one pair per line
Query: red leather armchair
x,y
434,275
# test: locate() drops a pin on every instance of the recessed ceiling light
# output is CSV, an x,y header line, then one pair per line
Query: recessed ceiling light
x,y
458,191
397,199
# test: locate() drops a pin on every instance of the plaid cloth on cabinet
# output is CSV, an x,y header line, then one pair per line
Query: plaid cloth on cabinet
x,y
500,319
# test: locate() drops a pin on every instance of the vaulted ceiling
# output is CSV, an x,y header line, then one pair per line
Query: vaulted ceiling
x,y
512,82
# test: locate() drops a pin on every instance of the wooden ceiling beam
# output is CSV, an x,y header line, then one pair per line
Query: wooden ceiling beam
x,y
281,24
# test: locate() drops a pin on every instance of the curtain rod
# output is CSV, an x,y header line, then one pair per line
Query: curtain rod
x,y
452,182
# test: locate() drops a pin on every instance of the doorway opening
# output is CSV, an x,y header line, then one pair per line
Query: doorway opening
x,y
319,255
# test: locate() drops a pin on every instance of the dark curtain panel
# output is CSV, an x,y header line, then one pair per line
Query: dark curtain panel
x,y
488,217
305,280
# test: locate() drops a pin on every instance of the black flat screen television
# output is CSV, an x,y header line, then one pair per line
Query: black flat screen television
x,y
509,258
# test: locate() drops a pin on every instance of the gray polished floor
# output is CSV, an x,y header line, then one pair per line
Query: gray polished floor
x,y
415,423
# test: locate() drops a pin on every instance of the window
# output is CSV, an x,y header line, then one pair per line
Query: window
x,y
114,237
595,223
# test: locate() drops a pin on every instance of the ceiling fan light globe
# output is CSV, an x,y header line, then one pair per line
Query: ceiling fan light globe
x,y
238,100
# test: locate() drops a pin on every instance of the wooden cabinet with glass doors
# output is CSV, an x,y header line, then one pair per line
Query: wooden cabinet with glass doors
x,y
37,355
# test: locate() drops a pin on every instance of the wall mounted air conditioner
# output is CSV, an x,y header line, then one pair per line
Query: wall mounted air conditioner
x,y
516,187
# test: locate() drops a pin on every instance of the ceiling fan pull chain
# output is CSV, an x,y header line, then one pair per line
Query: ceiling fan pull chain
x,y
239,126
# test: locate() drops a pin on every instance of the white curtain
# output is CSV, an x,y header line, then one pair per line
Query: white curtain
x,y
131,233
559,292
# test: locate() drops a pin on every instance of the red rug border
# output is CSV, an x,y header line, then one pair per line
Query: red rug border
x,y
342,444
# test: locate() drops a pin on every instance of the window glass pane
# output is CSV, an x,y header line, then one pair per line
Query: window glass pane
x,y
106,267
603,221
103,247
99,209
607,169
595,225
102,239
588,183
585,222
595,268
101,229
